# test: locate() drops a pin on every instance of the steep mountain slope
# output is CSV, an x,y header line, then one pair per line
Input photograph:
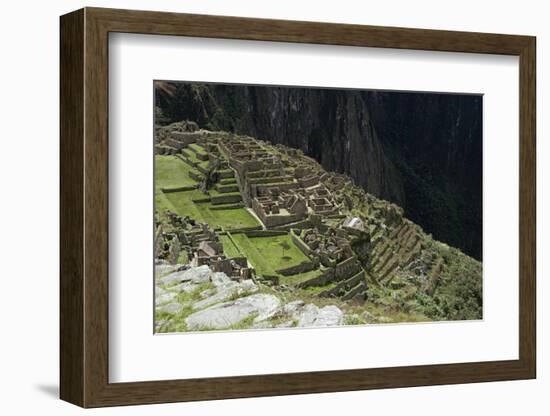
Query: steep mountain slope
x,y
270,214
421,151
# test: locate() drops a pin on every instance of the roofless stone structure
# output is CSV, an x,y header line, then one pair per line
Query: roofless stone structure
x,y
330,237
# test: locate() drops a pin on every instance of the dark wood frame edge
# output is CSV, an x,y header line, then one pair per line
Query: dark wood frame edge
x,y
84,207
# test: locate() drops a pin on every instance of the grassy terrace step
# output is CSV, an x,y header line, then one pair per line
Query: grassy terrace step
x,y
397,230
224,198
413,252
388,269
229,219
296,279
407,237
409,244
383,260
229,248
228,181
203,167
182,203
197,148
227,206
354,291
194,158
381,247
226,173
197,205
179,188
170,171
318,290
258,261
433,275
342,287
403,232
227,188
196,175
267,254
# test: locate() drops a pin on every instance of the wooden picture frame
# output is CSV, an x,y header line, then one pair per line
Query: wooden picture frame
x,y
84,207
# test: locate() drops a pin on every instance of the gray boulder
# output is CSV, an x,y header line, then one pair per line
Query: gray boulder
x,y
311,316
220,279
164,297
329,316
171,308
227,314
293,307
186,287
195,275
162,269
227,291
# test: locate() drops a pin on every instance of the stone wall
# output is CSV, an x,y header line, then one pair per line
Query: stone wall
x,y
224,207
347,268
164,150
184,138
300,243
303,267
320,280
264,233
271,221
225,199
344,285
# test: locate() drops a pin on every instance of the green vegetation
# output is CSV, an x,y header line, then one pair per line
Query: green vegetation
x,y
231,218
185,203
229,248
197,149
183,257
176,323
172,172
406,276
266,253
182,203
300,277
246,323
458,295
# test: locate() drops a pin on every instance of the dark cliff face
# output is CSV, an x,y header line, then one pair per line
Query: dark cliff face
x,y
421,151
435,140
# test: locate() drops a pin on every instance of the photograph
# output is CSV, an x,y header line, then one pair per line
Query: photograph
x,y
295,207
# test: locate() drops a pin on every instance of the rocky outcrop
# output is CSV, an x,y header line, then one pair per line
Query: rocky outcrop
x,y
228,304
227,314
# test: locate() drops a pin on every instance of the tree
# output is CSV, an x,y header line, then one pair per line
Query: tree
x,y
285,246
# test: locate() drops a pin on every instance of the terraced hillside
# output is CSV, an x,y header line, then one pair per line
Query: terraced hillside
x,y
255,211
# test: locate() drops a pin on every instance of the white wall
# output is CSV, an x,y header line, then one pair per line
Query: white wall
x,y
29,220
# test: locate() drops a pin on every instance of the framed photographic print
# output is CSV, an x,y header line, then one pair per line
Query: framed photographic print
x,y
257,207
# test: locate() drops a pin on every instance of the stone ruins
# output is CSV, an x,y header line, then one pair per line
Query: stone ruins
x,y
350,238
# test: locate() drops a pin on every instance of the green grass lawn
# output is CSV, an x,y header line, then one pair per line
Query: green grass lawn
x,y
229,219
302,277
229,248
172,172
266,253
197,148
192,156
182,203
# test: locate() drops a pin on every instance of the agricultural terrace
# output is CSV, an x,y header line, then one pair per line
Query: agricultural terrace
x,y
172,173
